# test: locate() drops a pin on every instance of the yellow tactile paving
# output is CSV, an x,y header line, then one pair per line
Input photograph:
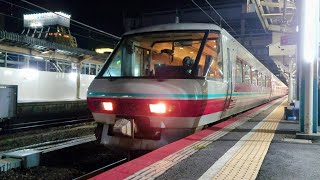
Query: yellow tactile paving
x,y
246,163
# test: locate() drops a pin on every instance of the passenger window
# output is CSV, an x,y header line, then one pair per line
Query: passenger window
x,y
268,82
247,74
260,79
264,81
254,77
239,72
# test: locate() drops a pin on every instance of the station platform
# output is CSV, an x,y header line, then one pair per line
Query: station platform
x,y
257,144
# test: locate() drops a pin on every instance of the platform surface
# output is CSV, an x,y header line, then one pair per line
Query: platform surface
x,y
255,145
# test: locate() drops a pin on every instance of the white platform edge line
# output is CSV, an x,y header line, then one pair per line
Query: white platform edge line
x,y
220,163
223,132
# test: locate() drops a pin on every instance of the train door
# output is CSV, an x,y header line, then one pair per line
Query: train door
x,y
214,69
229,84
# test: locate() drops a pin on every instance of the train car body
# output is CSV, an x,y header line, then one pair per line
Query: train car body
x,y
165,82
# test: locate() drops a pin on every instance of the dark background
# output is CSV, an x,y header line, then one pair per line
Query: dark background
x,y
105,15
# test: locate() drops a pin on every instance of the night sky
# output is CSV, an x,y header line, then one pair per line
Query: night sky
x,y
105,15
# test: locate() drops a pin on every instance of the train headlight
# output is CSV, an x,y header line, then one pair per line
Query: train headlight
x,y
108,106
159,108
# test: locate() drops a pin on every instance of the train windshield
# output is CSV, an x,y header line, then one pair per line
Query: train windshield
x,y
163,55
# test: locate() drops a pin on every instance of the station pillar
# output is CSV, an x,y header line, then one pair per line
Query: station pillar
x,y
308,53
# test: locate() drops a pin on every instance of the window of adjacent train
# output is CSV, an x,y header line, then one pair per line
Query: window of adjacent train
x,y
160,54
247,74
239,72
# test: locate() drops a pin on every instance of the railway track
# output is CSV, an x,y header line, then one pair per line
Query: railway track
x,y
33,125
80,155
50,146
100,170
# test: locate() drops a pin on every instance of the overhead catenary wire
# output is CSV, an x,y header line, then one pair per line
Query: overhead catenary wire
x,y
221,17
204,12
75,21
97,40
17,5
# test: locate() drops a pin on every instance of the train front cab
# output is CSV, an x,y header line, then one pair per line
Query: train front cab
x,y
146,67
152,75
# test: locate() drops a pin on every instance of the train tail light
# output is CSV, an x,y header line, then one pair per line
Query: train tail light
x,y
159,108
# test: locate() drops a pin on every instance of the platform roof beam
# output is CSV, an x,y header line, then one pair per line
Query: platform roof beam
x,y
281,10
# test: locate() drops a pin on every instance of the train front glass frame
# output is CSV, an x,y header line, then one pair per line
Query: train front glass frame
x,y
166,55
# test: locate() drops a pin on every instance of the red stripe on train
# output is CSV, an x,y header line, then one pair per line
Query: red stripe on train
x,y
140,107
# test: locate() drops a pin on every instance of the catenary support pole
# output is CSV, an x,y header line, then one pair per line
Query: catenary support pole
x,y
308,56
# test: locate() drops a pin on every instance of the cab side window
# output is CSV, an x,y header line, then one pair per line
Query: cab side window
x,y
211,60
216,69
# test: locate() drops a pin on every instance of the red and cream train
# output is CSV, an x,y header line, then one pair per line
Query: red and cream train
x,y
165,82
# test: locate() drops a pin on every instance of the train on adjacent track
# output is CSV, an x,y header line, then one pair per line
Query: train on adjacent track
x,y
165,82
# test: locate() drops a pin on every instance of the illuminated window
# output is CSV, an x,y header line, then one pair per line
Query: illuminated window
x,y
211,60
239,72
247,74
254,76
165,54
260,83
268,82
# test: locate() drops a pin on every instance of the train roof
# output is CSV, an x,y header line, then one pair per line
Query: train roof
x,y
176,27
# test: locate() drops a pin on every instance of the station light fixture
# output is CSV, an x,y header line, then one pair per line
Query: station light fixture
x,y
46,19
36,24
104,50
309,35
38,57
